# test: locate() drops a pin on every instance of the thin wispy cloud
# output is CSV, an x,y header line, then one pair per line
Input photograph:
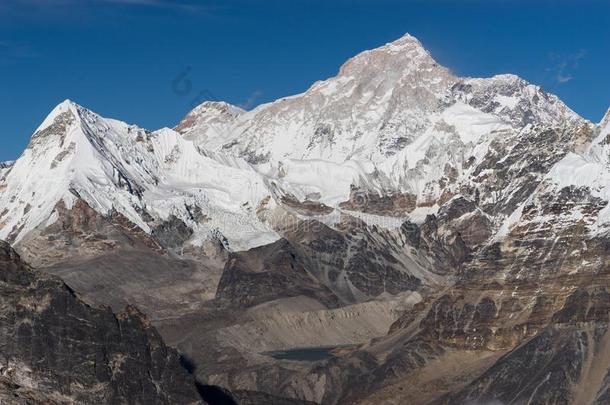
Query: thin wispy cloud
x,y
565,65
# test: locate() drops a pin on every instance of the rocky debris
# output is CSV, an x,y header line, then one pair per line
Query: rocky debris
x,y
160,285
57,348
256,398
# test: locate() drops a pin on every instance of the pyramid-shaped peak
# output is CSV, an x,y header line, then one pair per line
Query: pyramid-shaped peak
x,y
64,108
407,45
407,52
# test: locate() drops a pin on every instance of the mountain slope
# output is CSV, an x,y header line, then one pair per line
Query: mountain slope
x,y
57,349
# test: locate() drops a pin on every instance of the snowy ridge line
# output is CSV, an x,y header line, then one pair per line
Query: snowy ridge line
x,y
393,125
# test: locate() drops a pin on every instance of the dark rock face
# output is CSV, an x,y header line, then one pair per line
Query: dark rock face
x,y
270,272
353,263
541,371
172,233
54,348
359,262
514,166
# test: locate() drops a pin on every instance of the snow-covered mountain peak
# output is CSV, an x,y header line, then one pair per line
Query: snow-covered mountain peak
x,y
120,169
210,108
393,59
391,122
516,101
208,119
66,106
406,41
74,154
381,101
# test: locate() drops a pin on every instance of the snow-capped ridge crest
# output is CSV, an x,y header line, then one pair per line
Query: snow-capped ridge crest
x,y
392,121
606,120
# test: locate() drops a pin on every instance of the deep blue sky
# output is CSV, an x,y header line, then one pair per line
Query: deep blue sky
x,y
120,57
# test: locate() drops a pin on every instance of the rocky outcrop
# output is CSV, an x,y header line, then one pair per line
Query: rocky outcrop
x,y
270,272
390,203
54,348
81,231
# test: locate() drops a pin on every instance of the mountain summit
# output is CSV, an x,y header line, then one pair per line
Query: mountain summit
x,y
392,121
380,104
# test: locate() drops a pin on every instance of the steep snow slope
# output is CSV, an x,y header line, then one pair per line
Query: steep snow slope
x,y
68,156
147,177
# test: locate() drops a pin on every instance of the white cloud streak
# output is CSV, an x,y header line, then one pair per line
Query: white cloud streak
x,y
566,65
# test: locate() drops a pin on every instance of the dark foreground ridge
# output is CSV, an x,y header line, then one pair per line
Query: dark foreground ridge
x,y
56,349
